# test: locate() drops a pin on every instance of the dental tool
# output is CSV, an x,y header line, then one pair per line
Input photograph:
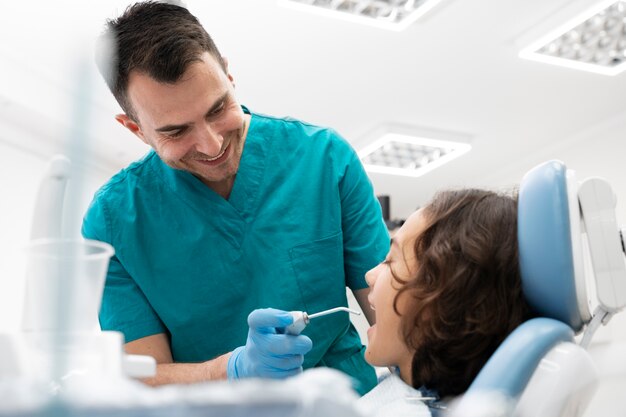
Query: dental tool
x,y
302,318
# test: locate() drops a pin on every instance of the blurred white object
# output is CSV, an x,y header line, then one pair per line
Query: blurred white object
x,y
82,355
392,397
137,366
319,392
562,385
597,203
482,404
48,214
564,374
12,358
60,339
64,284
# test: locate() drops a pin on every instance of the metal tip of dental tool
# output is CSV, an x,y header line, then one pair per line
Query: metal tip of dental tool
x,y
333,310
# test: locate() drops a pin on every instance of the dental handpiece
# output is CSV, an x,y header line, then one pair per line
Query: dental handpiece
x,y
302,318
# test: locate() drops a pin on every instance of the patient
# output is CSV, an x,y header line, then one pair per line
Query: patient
x,y
445,297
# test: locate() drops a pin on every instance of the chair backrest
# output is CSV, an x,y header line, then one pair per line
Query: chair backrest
x,y
539,370
550,248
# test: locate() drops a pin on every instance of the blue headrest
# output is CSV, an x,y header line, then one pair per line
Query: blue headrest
x,y
545,244
509,369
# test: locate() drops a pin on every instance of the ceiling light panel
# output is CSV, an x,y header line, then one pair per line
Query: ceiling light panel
x,y
593,41
387,14
400,154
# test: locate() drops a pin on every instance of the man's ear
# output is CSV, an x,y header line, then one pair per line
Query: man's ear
x,y
131,125
228,74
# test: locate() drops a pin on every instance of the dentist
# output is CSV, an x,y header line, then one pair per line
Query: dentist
x,y
230,212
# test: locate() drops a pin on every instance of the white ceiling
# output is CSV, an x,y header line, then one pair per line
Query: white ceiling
x,y
455,70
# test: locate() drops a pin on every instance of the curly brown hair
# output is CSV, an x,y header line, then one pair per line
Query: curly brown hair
x,y
466,296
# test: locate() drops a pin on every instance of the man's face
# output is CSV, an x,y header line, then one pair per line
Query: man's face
x,y
195,124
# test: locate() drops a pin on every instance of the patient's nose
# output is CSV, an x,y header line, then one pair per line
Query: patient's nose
x,y
370,276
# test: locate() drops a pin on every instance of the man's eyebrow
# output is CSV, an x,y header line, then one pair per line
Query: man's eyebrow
x,y
214,107
169,128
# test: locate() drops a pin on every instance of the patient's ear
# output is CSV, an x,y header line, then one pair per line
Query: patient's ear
x,y
131,125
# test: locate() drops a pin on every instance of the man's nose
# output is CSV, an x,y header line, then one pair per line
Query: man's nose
x,y
209,141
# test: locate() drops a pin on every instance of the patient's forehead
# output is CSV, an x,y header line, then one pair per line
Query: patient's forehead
x,y
405,237
412,227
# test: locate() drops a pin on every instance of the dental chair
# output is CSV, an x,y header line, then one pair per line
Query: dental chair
x,y
567,234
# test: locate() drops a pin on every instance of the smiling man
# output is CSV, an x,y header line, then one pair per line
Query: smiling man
x,y
194,124
231,212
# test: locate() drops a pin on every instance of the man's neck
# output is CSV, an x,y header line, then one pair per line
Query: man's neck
x,y
223,188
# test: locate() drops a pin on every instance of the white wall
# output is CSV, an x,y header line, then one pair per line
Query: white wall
x,y
597,151
20,175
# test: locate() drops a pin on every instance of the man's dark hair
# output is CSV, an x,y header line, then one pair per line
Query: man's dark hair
x,y
155,38
467,294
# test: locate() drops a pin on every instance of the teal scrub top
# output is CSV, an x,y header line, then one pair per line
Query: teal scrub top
x,y
300,225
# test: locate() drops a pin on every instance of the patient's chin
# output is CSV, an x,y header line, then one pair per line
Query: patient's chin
x,y
372,358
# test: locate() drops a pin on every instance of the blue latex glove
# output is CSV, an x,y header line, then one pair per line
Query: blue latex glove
x,y
268,353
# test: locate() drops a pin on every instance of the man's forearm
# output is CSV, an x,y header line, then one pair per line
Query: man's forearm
x,y
187,373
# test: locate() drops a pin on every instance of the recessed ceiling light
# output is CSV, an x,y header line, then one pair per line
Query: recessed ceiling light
x,y
594,40
402,154
386,14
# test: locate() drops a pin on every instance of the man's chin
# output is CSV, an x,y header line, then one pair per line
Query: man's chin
x,y
224,174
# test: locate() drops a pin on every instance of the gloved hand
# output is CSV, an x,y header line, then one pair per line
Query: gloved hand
x,y
268,353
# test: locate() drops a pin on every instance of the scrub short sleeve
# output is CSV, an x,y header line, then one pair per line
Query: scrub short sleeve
x,y
95,225
124,307
365,236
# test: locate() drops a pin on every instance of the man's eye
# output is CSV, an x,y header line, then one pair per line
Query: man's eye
x,y
175,133
218,110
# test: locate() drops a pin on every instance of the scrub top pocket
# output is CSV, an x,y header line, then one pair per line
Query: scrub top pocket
x,y
318,268
319,274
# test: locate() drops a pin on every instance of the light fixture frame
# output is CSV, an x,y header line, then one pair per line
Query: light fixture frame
x,y
458,143
530,51
345,16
